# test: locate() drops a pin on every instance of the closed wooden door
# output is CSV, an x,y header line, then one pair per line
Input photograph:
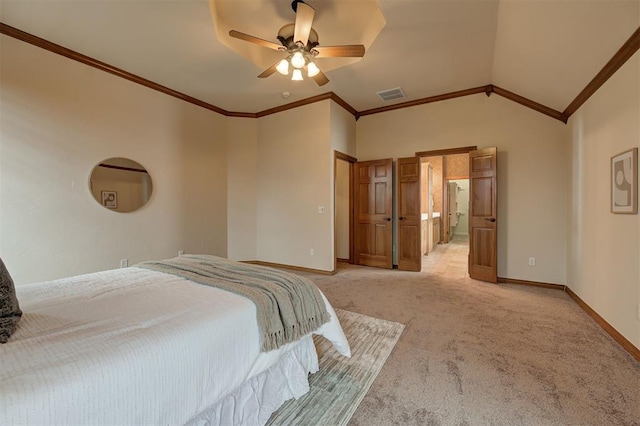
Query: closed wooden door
x,y
409,214
373,213
483,224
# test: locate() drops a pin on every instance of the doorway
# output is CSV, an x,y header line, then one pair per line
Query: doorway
x,y
343,208
451,259
448,219
458,209
373,214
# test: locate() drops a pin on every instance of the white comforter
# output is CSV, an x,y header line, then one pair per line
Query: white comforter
x,y
130,346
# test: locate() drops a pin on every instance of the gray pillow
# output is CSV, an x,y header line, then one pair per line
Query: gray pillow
x,y
10,312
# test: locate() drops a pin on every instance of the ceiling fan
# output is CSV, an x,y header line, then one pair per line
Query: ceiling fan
x,y
300,42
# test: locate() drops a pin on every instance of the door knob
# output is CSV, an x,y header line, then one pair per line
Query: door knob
x,y
388,219
490,219
401,218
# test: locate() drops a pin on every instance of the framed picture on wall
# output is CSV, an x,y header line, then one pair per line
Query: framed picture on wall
x,y
110,199
624,182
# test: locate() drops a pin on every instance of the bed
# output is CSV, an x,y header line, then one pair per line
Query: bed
x,y
141,346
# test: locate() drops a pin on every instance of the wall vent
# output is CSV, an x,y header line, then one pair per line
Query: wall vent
x,y
391,94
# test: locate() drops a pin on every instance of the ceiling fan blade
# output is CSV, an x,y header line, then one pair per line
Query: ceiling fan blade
x,y
304,19
266,73
256,40
346,51
320,79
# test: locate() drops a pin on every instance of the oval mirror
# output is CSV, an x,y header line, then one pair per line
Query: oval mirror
x,y
120,184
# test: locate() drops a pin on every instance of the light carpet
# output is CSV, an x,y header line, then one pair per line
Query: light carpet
x,y
475,353
341,384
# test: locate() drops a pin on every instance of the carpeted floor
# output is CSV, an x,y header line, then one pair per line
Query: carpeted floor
x,y
474,353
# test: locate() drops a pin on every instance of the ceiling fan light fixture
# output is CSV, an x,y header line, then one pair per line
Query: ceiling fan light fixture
x,y
283,67
297,75
298,60
312,69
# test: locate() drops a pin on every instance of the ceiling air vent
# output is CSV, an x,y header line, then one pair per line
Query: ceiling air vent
x,y
391,94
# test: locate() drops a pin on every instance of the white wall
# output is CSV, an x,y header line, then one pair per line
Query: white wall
x,y
294,178
532,170
58,119
242,184
604,248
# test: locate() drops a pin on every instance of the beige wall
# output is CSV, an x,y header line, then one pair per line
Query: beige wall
x,y
532,170
58,119
242,187
294,178
604,248
280,172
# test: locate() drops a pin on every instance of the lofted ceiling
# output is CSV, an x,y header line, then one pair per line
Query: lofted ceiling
x,y
544,50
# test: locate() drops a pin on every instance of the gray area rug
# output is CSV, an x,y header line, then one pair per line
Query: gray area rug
x,y
341,384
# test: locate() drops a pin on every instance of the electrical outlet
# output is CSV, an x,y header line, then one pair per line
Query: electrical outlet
x,y
312,252
180,252
124,263
532,261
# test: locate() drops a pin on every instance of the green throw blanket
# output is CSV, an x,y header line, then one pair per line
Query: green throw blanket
x,y
288,306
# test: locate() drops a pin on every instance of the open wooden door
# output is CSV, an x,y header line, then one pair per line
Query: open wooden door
x,y
483,225
409,214
373,213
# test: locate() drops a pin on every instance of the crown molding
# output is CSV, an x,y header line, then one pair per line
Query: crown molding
x,y
529,103
487,89
428,100
337,99
623,54
295,104
87,60
240,114
628,49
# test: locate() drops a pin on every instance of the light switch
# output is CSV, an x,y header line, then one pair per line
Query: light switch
x,y
321,209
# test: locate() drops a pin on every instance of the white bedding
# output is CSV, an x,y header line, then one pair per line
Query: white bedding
x,y
94,349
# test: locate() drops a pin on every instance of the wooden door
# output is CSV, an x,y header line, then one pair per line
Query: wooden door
x,y
483,225
373,213
409,214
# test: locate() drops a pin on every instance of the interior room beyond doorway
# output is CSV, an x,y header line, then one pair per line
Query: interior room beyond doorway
x,y
449,259
445,213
